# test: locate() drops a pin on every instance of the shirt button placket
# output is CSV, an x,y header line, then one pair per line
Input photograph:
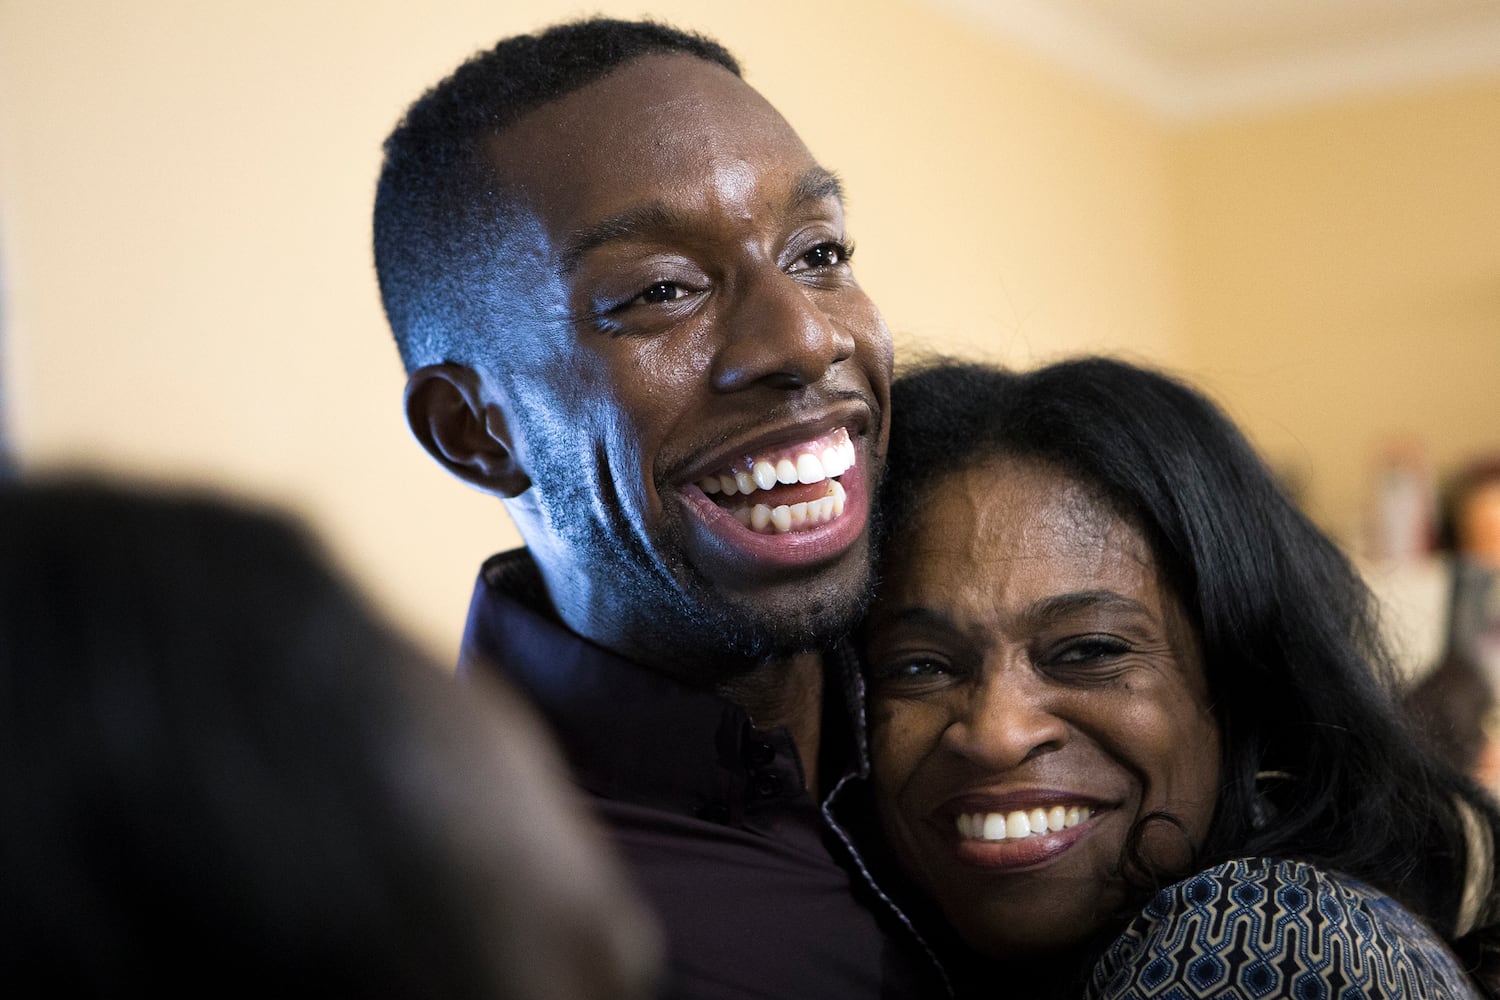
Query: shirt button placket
x,y
765,782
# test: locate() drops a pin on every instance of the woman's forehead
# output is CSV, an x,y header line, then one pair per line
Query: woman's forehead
x,y
999,522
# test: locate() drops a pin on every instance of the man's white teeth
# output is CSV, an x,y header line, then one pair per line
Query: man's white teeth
x,y
788,517
760,517
1018,824
808,467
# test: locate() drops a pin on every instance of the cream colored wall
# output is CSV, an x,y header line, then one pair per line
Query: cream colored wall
x,y
184,213
1343,282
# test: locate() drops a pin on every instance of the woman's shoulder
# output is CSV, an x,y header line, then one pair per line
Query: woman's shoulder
x,y
1265,928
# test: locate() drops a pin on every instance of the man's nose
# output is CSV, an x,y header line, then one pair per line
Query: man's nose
x,y
778,333
1007,720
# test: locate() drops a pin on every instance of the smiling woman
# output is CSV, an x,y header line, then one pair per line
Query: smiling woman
x,y
1131,730
1040,694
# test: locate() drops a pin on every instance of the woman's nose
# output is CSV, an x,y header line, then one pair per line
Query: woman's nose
x,y
1008,719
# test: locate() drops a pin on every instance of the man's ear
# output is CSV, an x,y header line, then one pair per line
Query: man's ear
x,y
447,411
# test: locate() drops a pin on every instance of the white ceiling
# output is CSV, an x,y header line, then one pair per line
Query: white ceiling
x,y
1194,59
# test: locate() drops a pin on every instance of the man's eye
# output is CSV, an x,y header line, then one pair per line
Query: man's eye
x,y
830,254
662,291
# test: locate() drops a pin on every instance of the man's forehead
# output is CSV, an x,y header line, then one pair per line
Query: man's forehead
x,y
664,86
656,147
643,122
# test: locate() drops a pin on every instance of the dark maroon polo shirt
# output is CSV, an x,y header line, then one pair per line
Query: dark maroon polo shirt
x,y
759,889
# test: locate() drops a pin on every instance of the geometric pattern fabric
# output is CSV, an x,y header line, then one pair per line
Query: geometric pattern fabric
x,y
1258,928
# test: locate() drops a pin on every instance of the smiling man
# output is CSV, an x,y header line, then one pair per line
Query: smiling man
x,y
621,288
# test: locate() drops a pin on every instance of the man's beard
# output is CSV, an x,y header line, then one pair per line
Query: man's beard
x,y
750,635
691,628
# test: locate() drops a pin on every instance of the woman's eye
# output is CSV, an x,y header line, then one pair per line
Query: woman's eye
x,y
913,674
914,668
1093,649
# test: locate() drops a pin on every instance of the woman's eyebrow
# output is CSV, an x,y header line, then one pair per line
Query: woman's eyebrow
x,y
1040,612
917,615
1049,609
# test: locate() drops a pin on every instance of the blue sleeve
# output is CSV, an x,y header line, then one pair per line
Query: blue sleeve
x,y
1263,929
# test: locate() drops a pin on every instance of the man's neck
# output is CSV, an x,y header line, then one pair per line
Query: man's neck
x,y
778,693
786,693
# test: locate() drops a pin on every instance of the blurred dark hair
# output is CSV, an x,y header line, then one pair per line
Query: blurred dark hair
x,y
441,219
1319,763
220,772
1450,706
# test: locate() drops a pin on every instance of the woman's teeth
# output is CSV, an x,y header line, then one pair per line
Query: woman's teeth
x,y
1014,825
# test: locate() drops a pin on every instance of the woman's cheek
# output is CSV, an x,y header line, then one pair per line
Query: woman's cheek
x,y
903,735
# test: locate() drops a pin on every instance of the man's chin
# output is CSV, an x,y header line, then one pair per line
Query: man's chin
x,y
751,628
705,619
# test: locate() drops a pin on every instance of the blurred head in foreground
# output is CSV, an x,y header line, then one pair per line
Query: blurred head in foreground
x,y
218,769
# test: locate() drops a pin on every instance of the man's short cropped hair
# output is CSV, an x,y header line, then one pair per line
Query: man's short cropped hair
x,y
441,224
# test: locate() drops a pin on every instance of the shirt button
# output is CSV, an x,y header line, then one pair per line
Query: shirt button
x,y
766,786
760,754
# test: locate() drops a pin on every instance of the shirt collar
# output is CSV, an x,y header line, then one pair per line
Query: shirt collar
x,y
630,733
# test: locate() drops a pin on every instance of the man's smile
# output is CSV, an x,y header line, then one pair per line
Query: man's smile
x,y
787,501
786,489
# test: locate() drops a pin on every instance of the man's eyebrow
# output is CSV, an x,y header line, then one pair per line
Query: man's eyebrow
x,y
814,185
652,217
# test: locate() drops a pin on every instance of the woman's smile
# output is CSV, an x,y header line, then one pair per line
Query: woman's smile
x,y
1020,839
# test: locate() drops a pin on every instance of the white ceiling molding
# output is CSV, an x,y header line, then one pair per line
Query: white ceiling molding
x,y
1106,51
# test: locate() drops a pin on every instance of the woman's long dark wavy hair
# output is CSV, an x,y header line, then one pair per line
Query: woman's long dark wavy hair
x,y
1301,685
